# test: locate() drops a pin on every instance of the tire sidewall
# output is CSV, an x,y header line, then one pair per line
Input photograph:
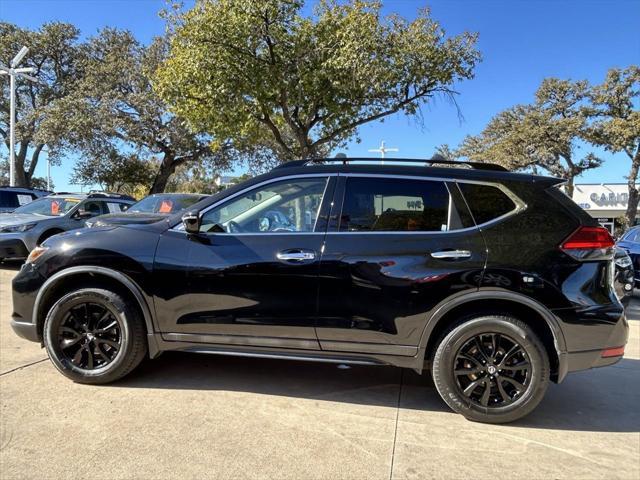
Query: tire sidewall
x,y
110,301
445,381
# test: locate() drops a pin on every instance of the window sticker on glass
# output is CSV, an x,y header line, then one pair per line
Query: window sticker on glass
x,y
24,199
113,207
166,206
55,208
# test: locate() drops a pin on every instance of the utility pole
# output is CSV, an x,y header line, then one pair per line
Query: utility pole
x,y
382,150
14,72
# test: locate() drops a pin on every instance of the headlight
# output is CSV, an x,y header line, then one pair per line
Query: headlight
x,y
623,262
36,253
18,228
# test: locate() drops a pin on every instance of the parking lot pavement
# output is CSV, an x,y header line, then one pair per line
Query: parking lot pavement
x,y
190,416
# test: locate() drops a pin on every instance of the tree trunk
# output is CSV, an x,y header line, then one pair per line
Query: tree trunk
x,y
569,185
634,195
167,167
22,176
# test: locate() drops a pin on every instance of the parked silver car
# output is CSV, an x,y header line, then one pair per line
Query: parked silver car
x,y
34,222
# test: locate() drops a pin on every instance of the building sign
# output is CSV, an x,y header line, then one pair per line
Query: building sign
x,y
609,198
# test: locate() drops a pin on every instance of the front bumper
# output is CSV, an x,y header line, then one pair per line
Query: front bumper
x,y
25,288
12,247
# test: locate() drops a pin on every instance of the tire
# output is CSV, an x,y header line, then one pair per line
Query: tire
x,y
461,377
92,313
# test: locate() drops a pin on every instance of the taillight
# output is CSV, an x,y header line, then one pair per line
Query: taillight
x,y
586,238
613,352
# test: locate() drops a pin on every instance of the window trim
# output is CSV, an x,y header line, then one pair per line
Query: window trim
x,y
519,204
338,202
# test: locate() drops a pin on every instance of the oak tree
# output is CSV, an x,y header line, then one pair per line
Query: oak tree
x,y
546,134
261,72
615,108
53,53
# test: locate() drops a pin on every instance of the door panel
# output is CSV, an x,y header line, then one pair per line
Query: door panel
x,y
245,287
379,286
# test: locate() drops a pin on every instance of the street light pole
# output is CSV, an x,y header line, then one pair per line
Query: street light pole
x,y
12,130
14,72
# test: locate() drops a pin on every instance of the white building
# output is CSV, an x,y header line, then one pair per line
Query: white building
x,y
604,201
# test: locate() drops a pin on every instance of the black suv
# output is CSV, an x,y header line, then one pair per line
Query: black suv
x,y
495,281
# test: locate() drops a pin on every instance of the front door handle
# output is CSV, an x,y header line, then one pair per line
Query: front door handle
x,y
451,254
296,256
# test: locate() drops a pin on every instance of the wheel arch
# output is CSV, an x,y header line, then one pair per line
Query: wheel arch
x,y
73,278
49,232
496,301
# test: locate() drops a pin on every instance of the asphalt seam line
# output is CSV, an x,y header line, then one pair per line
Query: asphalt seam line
x,y
23,366
395,433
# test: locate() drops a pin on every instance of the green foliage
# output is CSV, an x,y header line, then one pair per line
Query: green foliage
x,y
447,153
259,73
114,108
115,173
54,55
545,134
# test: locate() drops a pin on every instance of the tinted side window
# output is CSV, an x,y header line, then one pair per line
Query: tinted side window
x,y
486,202
95,207
9,200
396,205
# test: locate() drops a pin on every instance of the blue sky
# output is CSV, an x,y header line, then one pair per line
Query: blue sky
x,y
521,41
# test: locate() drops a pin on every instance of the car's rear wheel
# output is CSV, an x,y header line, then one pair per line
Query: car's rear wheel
x,y
491,369
93,336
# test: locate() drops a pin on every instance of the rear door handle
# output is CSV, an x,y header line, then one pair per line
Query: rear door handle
x,y
296,256
451,254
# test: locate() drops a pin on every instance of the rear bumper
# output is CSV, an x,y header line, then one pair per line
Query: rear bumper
x,y
26,330
585,360
12,248
573,361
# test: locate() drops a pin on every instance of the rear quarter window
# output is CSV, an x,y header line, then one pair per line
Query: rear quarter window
x,y
486,202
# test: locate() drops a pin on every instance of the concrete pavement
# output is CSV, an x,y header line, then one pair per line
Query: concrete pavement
x,y
198,416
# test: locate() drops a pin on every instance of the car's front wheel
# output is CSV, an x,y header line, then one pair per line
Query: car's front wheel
x,y
491,369
93,336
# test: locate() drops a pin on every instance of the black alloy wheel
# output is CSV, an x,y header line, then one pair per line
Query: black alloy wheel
x,y
94,335
492,370
90,336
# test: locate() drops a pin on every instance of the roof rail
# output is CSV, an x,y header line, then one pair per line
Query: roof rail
x,y
99,193
431,162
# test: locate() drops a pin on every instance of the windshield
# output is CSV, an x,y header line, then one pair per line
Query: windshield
x,y
49,206
164,203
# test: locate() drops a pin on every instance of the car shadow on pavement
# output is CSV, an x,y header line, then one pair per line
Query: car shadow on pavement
x,y
597,400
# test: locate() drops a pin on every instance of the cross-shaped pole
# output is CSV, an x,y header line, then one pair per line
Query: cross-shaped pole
x,y
14,72
382,150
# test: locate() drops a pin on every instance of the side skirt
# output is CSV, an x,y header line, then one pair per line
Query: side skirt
x,y
415,362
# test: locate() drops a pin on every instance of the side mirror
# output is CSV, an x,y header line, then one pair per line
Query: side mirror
x,y
82,215
191,222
